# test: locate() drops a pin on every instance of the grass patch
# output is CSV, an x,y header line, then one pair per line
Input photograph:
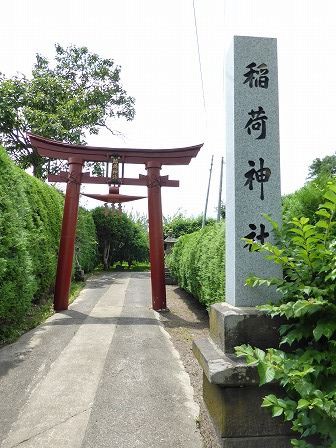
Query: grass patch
x,y
35,316
138,267
75,289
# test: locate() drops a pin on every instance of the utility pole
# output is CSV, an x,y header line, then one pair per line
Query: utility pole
x,y
220,192
207,196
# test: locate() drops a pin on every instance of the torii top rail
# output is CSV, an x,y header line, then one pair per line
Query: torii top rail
x,y
76,155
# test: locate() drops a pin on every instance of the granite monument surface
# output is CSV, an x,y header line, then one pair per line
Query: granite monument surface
x,y
253,166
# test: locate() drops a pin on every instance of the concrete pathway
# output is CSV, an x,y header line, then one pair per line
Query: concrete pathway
x,y
102,374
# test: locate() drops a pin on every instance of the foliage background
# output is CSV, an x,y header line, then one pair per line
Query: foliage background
x,y
30,222
119,238
180,225
197,262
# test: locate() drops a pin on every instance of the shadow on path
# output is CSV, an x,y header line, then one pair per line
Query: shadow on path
x,y
78,317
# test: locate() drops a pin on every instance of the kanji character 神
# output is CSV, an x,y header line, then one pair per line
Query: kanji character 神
x,y
261,176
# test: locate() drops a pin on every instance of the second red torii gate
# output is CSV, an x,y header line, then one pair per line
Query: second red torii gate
x,y
76,155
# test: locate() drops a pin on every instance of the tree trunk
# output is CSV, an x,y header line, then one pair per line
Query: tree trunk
x,y
106,255
37,163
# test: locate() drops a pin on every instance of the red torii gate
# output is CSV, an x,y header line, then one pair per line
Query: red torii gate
x,y
76,155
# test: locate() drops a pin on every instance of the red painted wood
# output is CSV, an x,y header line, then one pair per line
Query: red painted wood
x,y
113,198
68,236
60,150
87,179
156,249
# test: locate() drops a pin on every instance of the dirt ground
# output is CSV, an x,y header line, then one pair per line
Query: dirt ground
x,y
188,320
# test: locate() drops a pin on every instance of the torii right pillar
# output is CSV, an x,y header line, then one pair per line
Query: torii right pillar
x,y
156,245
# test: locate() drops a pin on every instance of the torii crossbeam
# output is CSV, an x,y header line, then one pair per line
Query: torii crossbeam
x,y
76,155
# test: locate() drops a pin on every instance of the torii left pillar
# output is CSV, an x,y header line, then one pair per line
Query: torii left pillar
x,y
68,235
156,247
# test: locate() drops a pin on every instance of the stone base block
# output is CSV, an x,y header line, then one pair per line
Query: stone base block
x,y
231,326
223,369
237,412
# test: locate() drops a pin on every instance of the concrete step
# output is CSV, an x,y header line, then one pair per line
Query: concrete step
x,y
223,369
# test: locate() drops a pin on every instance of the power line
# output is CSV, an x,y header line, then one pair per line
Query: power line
x,y
207,196
199,57
220,191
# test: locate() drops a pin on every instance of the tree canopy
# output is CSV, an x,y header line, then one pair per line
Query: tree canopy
x,y
79,93
119,238
179,225
323,167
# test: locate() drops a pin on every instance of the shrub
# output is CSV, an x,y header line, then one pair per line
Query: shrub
x,y
17,282
86,241
197,262
30,222
42,225
307,369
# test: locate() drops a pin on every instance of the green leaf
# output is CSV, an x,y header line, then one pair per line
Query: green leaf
x,y
322,224
331,196
329,205
276,411
303,404
323,328
269,400
298,231
323,212
266,373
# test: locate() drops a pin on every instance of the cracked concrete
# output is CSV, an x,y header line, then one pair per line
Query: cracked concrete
x,y
113,378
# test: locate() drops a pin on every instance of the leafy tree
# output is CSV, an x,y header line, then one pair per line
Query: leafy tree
x,y
135,247
306,369
80,93
325,167
305,201
119,238
180,225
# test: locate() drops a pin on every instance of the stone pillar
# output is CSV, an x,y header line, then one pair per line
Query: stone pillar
x,y
231,389
68,235
252,165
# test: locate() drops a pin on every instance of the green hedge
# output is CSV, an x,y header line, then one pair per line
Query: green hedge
x,y
197,262
86,241
17,282
180,225
30,222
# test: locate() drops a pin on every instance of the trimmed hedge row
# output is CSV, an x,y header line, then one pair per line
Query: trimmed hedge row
x,y
30,222
197,262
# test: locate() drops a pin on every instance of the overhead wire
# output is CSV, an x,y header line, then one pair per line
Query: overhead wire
x,y
205,112
199,62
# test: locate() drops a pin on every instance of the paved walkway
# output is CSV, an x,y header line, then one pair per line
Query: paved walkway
x,y
102,374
